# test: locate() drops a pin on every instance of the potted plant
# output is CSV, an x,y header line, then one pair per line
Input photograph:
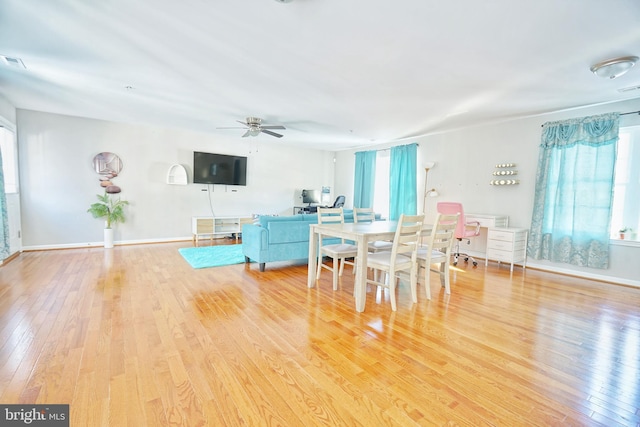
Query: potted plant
x,y
112,211
624,230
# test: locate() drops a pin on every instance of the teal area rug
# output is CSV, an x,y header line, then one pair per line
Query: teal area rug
x,y
213,256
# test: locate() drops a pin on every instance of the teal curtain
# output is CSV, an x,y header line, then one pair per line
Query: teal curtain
x,y
5,249
402,181
364,182
574,191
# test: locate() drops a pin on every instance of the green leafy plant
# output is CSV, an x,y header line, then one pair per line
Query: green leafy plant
x,y
625,229
109,209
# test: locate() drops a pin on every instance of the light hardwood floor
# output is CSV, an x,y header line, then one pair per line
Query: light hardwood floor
x,y
134,336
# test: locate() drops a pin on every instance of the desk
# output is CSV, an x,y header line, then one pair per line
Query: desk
x,y
488,221
304,209
478,245
362,234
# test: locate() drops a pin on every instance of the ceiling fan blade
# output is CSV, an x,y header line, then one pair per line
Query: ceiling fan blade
x,y
273,127
268,132
247,133
243,123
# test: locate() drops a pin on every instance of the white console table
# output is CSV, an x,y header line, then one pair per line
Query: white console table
x,y
219,225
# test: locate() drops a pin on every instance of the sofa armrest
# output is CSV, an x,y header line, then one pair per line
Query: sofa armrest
x,y
255,236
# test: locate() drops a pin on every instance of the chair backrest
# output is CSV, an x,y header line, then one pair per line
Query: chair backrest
x,y
443,233
363,215
339,202
454,208
330,216
407,237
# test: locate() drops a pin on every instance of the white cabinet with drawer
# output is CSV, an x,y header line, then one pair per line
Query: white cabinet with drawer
x,y
507,245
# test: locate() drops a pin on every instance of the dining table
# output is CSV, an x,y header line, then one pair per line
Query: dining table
x,y
361,234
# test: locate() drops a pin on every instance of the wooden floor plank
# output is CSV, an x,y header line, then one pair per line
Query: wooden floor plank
x,y
135,336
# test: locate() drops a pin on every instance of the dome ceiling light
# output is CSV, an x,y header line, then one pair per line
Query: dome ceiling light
x,y
612,68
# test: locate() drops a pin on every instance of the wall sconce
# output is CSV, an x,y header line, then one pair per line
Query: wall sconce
x,y
505,170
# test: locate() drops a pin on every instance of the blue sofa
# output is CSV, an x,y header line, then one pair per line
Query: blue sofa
x,y
280,238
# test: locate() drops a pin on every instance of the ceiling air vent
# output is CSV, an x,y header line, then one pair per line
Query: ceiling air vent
x,y
628,89
12,62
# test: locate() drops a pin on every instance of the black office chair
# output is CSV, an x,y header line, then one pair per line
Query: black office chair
x,y
339,202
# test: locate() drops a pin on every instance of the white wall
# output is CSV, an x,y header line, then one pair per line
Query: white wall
x,y
58,182
465,160
7,110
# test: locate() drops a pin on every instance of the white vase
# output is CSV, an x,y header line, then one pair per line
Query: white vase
x,y
108,238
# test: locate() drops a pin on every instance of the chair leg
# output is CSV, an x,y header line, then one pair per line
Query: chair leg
x,y
319,267
336,269
427,281
444,271
392,290
444,277
414,288
413,277
341,265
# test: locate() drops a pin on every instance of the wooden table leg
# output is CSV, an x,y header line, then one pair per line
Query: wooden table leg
x,y
313,258
360,282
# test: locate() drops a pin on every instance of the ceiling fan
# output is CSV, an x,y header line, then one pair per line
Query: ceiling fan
x,y
254,127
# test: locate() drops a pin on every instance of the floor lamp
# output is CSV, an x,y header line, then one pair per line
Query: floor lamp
x,y
432,192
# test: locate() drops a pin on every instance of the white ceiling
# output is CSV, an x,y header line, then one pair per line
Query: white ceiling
x,y
337,73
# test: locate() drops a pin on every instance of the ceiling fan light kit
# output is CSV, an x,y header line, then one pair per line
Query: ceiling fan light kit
x,y
615,67
254,127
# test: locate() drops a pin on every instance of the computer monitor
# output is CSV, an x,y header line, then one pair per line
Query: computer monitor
x,y
311,196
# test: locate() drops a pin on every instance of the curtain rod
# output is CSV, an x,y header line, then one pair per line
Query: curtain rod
x,y
386,149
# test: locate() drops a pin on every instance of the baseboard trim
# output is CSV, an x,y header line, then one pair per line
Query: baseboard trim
x,y
10,258
101,244
584,275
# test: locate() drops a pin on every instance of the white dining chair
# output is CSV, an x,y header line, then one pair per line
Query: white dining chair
x,y
437,251
401,257
337,251
367,216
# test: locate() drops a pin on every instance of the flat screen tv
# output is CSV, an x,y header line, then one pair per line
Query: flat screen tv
x,y
210,168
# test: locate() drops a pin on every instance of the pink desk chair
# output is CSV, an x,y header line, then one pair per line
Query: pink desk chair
x,y
464,229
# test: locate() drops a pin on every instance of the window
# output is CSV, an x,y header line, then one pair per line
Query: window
x,y
381,195
626,203
9,160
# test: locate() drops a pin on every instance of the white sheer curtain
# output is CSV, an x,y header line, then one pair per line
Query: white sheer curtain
x,y
5,249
